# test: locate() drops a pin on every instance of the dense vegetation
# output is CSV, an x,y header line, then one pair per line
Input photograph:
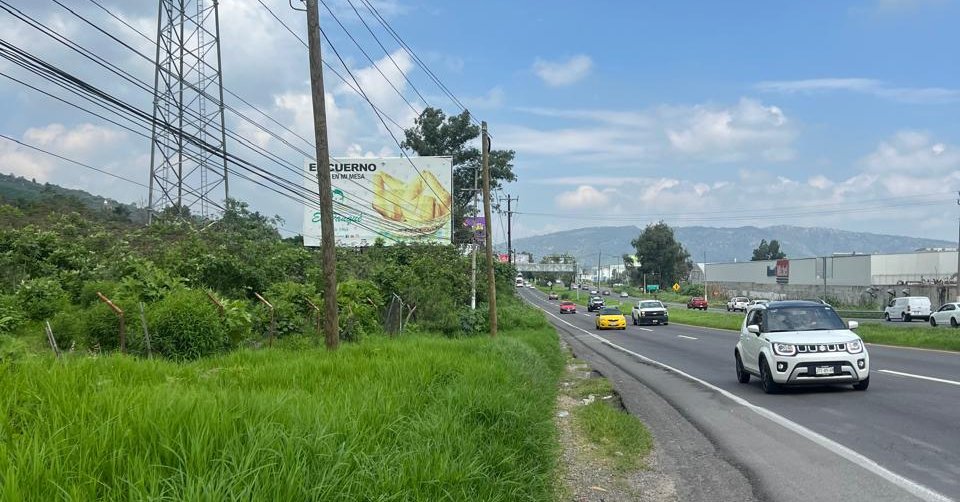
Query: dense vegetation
x,y
56,255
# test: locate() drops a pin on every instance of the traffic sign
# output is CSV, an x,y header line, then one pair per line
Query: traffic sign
x,y
676,287
652,287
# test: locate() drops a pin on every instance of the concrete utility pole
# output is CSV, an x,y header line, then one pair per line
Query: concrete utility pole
x,y
958,253
474,245
331,326
705,277
599,254
491,277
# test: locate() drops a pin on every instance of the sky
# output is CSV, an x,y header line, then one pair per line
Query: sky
x,y
814,113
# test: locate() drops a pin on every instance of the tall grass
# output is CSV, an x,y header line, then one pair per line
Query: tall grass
x,y
416,418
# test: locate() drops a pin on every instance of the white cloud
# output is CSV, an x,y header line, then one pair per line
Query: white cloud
x,y
584,197
704,133
562,73
492,99
878,88
83,138
23,162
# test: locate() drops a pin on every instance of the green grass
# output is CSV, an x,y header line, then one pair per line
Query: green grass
x,y
942,338
598,387
415,418
621,437
928,338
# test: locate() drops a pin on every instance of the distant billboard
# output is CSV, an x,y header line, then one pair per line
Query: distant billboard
x,y
395,198
477,225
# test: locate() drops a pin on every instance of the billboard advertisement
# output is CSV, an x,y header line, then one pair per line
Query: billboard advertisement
x,y
478,227
393,198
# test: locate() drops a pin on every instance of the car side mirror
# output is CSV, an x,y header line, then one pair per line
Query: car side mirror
x,y
853,324
753,328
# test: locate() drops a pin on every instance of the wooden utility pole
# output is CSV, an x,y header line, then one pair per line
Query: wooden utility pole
x,y
491,277
327,244
510,226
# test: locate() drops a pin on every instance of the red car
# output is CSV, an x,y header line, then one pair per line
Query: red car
x,y
568,307
697,303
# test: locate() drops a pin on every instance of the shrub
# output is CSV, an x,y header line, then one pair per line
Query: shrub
x,y
11,317
185,325
88,293
102,327
474,322
360,303
11,348
238,321
68,328
40,298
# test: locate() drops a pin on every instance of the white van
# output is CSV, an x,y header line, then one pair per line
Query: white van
x,y
907,308
519,282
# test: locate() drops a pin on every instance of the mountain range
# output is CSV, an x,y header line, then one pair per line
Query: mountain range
x,y
721,244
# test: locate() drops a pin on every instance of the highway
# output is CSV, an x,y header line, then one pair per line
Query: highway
x,y
900,440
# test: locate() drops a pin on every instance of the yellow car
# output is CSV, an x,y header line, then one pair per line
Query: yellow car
x,y
611,318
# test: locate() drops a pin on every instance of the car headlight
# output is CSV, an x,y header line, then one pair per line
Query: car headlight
x,y
784,349
855,347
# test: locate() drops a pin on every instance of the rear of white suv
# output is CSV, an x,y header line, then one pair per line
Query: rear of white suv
x,y
800,343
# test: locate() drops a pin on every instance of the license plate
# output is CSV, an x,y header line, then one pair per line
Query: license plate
x,y
655,321
824,370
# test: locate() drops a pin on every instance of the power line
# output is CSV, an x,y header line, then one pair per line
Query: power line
x,y
143,85
325,63
396,36
370,59
377,113
81,164
385,51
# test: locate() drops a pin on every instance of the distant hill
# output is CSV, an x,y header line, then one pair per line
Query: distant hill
x,y
722,244
19,191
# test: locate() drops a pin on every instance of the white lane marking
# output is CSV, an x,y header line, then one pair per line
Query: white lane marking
x,y
921,377
939,351
687,337
857,458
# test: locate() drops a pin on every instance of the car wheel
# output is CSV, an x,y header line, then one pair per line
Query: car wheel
x,y
906,317
742,375
665,323
933,322
862,384
886,316
953,322
766,379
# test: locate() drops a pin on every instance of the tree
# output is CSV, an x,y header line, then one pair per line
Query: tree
x,y
767,251
433,133
661,257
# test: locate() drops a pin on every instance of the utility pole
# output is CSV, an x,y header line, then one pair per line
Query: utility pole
x,y
509,225
491,277
599,254
824,278
331,325
474,245
705,277
958,252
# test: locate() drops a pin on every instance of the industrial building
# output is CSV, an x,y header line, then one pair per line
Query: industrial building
x,y
866,279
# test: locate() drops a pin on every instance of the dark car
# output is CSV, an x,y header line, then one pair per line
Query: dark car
x,y
568,307
595,304
606,293
697,303
552,296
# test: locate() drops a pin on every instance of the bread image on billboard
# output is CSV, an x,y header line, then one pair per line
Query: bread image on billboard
x,y
421,203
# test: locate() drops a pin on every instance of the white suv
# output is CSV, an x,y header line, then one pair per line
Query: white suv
x,y
738,303
800,343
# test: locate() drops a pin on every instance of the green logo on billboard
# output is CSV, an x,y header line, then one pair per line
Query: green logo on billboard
x,y
338,195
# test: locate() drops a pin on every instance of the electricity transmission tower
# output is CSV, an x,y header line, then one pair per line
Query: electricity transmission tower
x,y
188,166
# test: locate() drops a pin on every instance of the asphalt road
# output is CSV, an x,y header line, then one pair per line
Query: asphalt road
x,y
722,310
900,440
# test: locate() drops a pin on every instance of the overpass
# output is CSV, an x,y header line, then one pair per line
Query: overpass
x,y
546,267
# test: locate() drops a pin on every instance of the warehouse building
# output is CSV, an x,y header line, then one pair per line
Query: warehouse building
x,y
863,279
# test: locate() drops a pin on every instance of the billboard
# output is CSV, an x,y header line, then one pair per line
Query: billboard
x,y
397,199
477,225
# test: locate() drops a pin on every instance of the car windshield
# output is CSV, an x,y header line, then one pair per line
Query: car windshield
x,y
597,299
566,304
650,305
802,319
610,311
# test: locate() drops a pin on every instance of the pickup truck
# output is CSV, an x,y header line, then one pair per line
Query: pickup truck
x,y
649,312
595,304
738,303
